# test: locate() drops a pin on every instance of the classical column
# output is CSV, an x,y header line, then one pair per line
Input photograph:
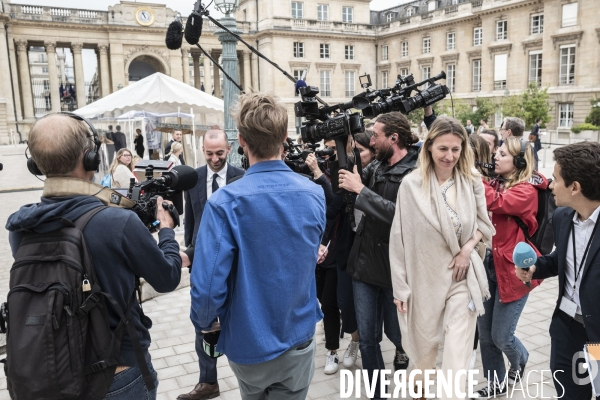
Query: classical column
x,y
27,96
208,86
217,76
247,79
255,80
6,89
104,72
53,75
196,60
79,79
186,64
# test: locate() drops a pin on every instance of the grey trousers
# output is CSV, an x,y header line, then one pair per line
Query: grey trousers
x,y
286,377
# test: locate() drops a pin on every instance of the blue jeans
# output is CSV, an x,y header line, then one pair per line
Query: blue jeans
x,y
207,364
374,308
497,331
129,385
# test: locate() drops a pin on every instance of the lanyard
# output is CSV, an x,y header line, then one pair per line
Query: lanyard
x,y
576,270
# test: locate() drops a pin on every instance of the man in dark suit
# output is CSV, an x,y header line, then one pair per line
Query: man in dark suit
x,y
119,139
177,136
216,173
576,262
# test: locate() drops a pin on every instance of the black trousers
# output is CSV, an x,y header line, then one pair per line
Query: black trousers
x,y
327,294
566,357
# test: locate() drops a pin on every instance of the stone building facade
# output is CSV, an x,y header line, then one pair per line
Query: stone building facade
x,y
488,48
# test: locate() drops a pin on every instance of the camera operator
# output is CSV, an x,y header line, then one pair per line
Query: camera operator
x,y
120,246
261,243
369,263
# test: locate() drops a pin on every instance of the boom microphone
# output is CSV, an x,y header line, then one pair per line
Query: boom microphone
x,y
193,28
524,257
181,177
174,35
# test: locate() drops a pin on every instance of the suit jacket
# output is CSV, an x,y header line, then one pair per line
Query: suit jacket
x,y
555,264
195,199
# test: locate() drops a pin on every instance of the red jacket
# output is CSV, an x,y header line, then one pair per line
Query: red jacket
x,y
520,201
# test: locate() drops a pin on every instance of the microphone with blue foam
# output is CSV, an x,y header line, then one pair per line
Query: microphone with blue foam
x,y
300,83
524,257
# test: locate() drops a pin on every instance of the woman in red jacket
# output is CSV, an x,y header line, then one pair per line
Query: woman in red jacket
x,y
512,194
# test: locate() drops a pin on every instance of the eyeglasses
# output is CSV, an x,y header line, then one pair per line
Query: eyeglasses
x,y
126,155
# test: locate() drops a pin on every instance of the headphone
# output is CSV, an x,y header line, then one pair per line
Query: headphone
x,y
91,158
519,162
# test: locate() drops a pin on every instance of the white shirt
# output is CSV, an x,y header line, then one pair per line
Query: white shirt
x,y
175,160
221,179
583,232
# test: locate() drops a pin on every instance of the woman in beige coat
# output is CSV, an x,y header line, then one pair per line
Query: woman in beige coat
x,y
437,271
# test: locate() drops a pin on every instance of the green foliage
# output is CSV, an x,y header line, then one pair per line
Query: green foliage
x,y
485,110
594,115
535,105
512,106
583,127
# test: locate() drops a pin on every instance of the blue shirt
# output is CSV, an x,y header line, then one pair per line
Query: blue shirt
x,y
254,264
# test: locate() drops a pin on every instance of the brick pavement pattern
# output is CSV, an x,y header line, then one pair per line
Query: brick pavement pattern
x,y
172,349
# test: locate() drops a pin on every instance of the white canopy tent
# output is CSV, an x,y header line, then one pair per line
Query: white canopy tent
x,y
157,95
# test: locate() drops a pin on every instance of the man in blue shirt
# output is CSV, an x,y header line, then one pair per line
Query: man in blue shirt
x,y
254,265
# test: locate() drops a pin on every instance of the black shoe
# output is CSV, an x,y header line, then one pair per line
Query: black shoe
x,y
515,376
400,361
488,392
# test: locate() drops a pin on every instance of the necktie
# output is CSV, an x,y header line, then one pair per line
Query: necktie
x,y
215,185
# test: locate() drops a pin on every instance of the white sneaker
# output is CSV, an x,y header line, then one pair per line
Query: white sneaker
x,y
351,354
331,363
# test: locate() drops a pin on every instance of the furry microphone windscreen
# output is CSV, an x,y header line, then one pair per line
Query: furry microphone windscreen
x,y
193,28
174,35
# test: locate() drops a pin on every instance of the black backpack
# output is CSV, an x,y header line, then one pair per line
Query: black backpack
x,y
59,343
543,239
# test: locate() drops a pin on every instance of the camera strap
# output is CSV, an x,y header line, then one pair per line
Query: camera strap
x,y
64,186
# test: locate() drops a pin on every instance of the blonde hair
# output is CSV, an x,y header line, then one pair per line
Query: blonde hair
x,y
444,126
116,161
262,122
175,147
513,145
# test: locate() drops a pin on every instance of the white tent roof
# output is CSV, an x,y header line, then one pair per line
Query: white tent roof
x,y
157,93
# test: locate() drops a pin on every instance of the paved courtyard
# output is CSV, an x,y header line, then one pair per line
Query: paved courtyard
x,y
172,348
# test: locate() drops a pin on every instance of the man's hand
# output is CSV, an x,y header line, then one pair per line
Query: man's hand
x,y
351,181
312,163
163,215
523,275
323,251
401,306
185,260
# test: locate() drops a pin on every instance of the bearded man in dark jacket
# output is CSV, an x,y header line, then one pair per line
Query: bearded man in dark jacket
x,y
369,262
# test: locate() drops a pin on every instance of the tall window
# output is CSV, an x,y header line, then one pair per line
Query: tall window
x,y
535,67
450,41
349,52
567,65
297,10
347,15
537,24
44,70
501,30
350,83
384,53
451,76
298,49
384,79
476,75
389,17
325,83
404,72
409,12
500,64
565,115
46,84
425,74
298,75
426,45
324,51
477,36
323,12
569,14
404,49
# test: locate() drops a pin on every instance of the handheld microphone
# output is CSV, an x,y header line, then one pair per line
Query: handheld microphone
x,y
240,150
193,28
524,257
299,84
174,36
181,177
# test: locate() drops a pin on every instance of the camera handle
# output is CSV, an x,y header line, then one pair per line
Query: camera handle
x,y
173,211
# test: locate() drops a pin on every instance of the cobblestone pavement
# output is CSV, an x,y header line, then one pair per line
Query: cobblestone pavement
x,y
172,348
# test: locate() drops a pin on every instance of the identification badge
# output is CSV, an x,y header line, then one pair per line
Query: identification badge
x,y
568,306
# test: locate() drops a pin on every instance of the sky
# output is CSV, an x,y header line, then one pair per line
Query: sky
x,y
183,6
